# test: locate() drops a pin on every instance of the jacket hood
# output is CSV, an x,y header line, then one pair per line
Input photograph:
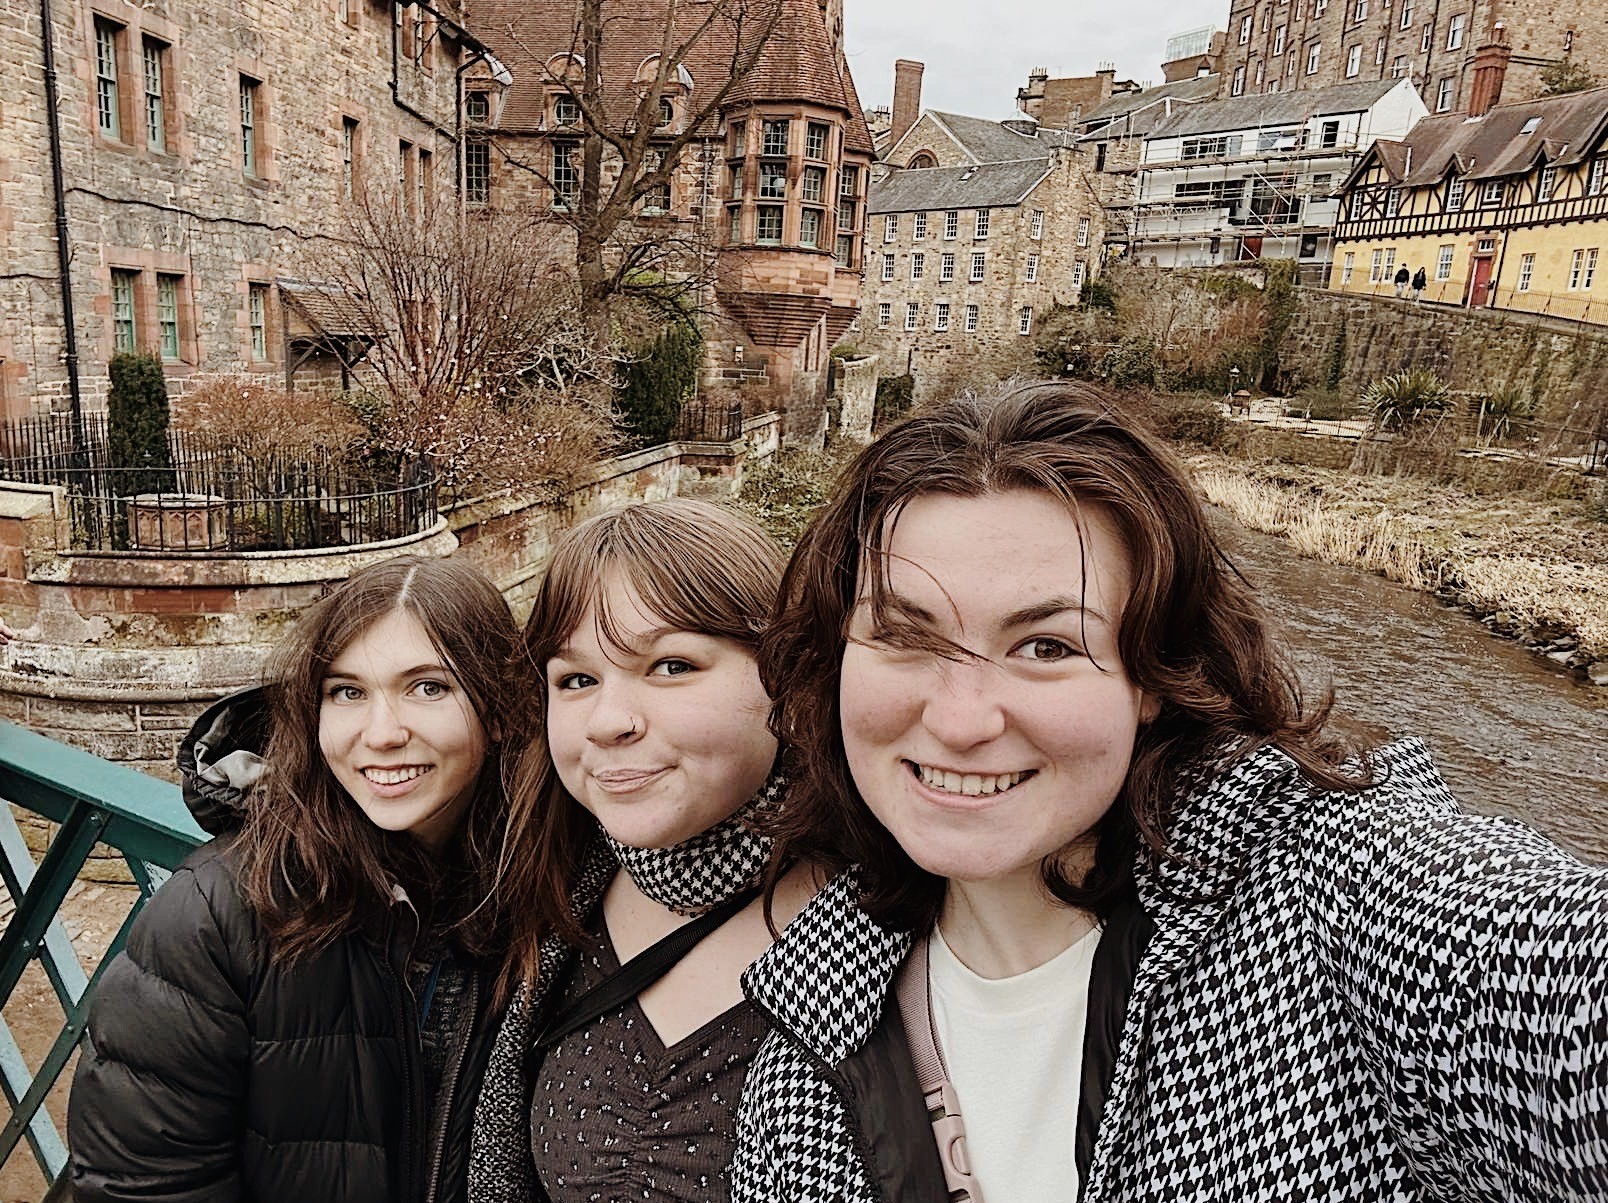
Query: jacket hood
x,y
221,759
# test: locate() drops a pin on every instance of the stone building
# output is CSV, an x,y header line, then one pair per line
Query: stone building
x,y
1506,209
1280,45
981,228
1194,53
206,151
767,198
1061,103
1253,177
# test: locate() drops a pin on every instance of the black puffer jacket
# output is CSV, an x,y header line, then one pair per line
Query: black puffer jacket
x,y
217,1076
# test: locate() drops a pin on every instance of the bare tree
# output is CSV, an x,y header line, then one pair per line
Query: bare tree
x,y
627,151
478,362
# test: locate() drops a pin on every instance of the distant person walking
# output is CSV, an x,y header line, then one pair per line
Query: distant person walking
x,y
1420,282
1402,278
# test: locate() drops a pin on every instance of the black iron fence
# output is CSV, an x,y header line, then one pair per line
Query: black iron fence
x,y
214,497
711,422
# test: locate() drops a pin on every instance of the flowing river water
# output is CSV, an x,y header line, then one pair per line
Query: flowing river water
x,y
1511,734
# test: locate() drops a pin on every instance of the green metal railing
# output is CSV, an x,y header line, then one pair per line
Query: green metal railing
x,y
95,802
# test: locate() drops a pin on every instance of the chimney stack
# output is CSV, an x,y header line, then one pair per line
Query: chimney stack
x,y
1490,70
906,96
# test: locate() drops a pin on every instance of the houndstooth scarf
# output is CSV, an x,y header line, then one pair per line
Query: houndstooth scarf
x,y
700,873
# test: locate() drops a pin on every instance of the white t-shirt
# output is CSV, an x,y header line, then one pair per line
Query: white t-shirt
x,y
1014,1048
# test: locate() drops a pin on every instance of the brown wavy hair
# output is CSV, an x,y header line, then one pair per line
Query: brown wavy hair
x,y
314,868
1192,634
696,566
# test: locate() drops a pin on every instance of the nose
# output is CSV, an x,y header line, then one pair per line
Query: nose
x,y
614,718
964,708
383,726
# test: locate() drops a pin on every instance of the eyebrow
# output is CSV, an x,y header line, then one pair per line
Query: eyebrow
x,y
416,670
639,647
1050,608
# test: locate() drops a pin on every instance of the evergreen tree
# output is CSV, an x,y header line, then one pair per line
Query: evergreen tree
x,y
137,425
660,378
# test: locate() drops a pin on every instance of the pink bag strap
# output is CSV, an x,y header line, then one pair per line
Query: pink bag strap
x,y
914,994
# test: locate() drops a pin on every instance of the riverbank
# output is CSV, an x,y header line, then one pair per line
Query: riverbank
x,y
1530,569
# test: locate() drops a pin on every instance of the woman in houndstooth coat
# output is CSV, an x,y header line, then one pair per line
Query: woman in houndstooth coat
x,y
1172,944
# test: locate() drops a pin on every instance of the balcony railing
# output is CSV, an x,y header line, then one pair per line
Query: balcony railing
x,y
94,802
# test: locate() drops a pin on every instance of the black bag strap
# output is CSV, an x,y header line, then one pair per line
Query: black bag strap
x,y
637,974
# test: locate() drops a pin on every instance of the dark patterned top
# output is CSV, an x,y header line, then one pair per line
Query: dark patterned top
x,y
616,1116
440,984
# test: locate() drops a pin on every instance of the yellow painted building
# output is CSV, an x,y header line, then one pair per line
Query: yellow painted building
x,y
1508,209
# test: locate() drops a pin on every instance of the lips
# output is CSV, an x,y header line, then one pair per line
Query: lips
x,y
626,780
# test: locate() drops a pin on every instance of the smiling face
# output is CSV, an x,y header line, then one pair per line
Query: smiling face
x,y
983,765
661,735
399,733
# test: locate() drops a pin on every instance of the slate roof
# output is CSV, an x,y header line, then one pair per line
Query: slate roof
x,y
1274,109
796,63
329,310
1148,107
1570,128
996,142
989,186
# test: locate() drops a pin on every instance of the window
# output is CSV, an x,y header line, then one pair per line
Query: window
x,y
1454,194
769,229
656,200
739,139
476,171
1024,320
918,265
1353,60
1491,193
773,179
1083,231
921,226
952,223
844,254
1425,41
1379,52
1329,134
154,54
1548,181
1443,261
946,266
1036,225
1078,270
1032,269
404,175
1398,66
1443,95
972,313
982,223
123,309
809,227
978,262
1576,262
667,113
1238,88
1347,264
812,184
734,223
565,175
1322,185
167,315
426,180
912,315
1359,10
1313,52
1406,14
1210,148
477,108
884,314
257,313
1392,202
1454,31
1390,262
940,316
250,95
1597,176
1526,271
887,267
1376,269
1278,40
1245,30
815,140
773,138
890,227
849,182
108,120
1591,267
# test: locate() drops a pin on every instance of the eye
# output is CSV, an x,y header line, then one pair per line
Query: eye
x,y
573,681
672,667
431,689
1047,650
343,693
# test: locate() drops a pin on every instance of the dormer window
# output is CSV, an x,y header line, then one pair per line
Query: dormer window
x,y
667,112
477,108
566,110
1530,126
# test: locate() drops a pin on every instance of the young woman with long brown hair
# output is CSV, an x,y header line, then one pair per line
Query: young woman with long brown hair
x,y
1140,927
304,1009
654,766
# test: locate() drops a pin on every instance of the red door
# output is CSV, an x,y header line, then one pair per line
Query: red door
x,y
1479,281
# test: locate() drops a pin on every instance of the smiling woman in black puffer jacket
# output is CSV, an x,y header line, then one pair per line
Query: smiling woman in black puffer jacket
x,y
303,1011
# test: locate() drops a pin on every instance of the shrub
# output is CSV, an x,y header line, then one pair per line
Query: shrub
x,y
257,418
1130,364
1405,399
1505,412
1324,404
137,423
1200,422
658,379
1098,294
895,396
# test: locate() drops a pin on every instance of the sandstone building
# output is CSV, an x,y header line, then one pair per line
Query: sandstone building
x,y
206,151
768,195
1282,45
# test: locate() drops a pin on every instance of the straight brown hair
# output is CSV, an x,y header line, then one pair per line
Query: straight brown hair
x,y
1192,634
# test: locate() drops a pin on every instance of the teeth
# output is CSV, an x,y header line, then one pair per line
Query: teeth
x,y
968,785
394,776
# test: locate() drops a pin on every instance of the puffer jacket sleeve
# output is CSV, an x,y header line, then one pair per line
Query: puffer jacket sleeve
x,y
156,1111
1473,954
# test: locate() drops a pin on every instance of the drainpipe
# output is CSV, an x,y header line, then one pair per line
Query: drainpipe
x,y
64,257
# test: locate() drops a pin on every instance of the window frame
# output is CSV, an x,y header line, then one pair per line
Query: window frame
x,y
1526,272
1445,256
154,59
940,317
912,314
1024,321
125,292
978,269
108,40
251,117
257,319
984,220
169,338
973,318
1032,269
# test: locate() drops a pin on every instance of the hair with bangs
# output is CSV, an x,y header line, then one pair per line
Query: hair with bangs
x,y
694,566
314,868
1192,634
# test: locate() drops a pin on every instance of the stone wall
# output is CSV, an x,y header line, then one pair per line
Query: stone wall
x,y
856,393
1564,366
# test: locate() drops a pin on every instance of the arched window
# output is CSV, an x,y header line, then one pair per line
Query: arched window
x,y
922,158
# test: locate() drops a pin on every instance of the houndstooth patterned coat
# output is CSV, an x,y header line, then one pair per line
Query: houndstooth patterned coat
x,y
1347,997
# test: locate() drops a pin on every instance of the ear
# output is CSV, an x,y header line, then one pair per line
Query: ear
x,y
1149,708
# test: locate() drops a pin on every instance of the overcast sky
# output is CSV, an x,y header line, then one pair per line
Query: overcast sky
x,y
978,52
